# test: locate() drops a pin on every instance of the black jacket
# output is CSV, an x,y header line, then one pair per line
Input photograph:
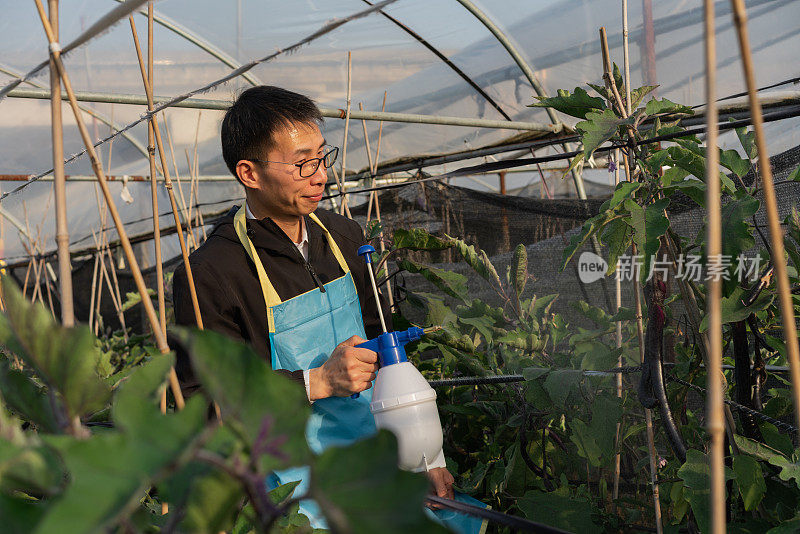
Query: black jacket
x,y
227,285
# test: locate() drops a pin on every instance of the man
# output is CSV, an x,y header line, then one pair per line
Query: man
x,y
284,276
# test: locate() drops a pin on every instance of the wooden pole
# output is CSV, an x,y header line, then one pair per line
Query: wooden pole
x,y
178,180
373,195
161,340
775,232
60,185
168,182
618,288
716,417
162,312
625,111
647,413
151,156
344,207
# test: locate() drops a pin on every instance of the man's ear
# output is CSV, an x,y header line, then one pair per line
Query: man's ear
x,y
248,174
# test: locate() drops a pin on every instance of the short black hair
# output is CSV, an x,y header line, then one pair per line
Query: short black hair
x,y
253,119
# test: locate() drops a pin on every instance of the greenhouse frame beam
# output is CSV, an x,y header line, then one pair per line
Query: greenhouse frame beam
x,y
96,114
200,42
528,72
336,113
464,76
503,39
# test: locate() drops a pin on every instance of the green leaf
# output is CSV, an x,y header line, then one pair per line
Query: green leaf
x,y
749,480
693,160
617,237
29,469
738,234
110,472
730,159
574,515
674,175
563,386
212,503
418,239
789,469
63,358
479,261
733,309
251,396
664,105
589,228
361,490
520,272
283,492
20,515
696,475
638,94
452,283
583,438
577,104
794,175
649,224
624,190
26,398
748,141
599,128
692,188
374,229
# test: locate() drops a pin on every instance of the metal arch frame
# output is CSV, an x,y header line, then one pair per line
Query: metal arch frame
x,y
464,76
503,39
99,116
201,43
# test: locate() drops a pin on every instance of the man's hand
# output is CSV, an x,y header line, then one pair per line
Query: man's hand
x,y
442,482
348,370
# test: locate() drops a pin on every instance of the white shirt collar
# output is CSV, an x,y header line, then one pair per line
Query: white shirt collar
x,y
302,246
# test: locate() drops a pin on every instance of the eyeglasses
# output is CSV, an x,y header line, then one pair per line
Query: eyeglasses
x,y
310,166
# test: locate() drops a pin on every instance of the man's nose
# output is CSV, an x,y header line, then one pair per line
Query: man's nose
x,y
320,177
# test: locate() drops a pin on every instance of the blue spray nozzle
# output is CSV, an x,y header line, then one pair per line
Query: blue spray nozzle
x,y
390,347
366,251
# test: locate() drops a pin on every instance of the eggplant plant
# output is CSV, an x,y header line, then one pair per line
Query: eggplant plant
x,y
84,446
545,447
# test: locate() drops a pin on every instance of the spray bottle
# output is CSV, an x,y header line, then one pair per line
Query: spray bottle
x,y
402,400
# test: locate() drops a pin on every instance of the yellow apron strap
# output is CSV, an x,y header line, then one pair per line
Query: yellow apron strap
x,y
271,297
332,243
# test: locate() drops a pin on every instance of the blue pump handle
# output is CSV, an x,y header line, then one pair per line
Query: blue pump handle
x,y
366,251
390,347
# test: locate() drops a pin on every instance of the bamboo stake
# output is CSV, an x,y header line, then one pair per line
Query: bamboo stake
x,y
60,185
625,112
161,341
115,300
373,166
618,284
178,179
716,418
168,185
647,413
190,224
94,289
373,195
193,175
162,314
344,207
775,232
151,156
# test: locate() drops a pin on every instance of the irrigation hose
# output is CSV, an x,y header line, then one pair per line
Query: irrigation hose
x,y
513,522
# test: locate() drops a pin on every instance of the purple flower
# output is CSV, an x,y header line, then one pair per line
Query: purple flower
x,y
612,165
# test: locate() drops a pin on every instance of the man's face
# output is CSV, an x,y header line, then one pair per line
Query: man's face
x,y
282,191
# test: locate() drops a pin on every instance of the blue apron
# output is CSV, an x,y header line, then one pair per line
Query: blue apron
x,y
303,331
